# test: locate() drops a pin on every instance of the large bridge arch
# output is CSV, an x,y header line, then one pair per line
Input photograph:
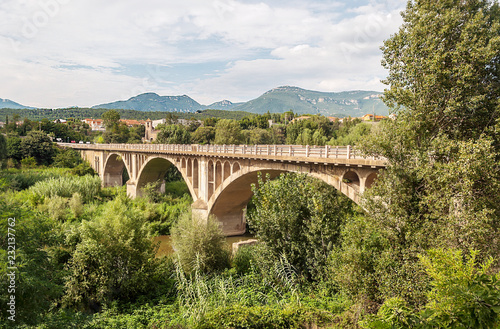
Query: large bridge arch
x,y
114,165
229,200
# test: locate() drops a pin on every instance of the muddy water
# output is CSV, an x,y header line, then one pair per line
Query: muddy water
x,y
166,246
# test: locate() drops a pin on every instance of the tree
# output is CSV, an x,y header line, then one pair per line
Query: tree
x,y
444,66
440,189
300,218
67,158
111,119
114,260
173,134
3,148
228,132
257,136
203,135
14,147
39,146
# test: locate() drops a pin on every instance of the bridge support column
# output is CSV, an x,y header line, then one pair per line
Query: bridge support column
x,y
132,191
233,223
199,209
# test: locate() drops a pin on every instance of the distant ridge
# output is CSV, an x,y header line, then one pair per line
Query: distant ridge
x,y
223,105
154,102
341,104
354,103
8,104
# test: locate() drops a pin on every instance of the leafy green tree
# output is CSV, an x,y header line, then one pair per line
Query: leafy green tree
x,y
114,260
299,218
173,134
203,135
136,134
350,136
228,132
14,147
257,136
449,82
67,158
111,119
441,188
39,146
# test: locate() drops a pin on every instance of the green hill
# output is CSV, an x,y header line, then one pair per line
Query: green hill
x,y
154,102
341,104
8,104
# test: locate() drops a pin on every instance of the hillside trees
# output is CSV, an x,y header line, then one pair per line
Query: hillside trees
x,y
441,186
228,132
173,134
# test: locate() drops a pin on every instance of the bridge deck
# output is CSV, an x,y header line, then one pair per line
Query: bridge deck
x,y
342,155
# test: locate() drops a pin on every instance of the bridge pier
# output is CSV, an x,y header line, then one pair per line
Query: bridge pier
x,y
132,191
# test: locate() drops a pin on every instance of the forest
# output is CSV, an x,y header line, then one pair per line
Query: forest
x,y
420,251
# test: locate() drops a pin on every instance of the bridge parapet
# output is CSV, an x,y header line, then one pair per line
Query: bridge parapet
x,y
325,154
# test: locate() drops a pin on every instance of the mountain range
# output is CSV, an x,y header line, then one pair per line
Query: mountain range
x,y
278,100
8,104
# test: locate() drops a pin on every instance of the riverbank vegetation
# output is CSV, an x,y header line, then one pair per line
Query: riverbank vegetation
x,y
420,251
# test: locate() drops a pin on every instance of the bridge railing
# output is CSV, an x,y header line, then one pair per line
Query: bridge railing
x,y
333,152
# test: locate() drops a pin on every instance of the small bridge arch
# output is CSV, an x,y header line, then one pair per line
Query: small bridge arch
x,y
114,165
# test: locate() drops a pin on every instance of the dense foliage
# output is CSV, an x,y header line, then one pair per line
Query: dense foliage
x,y
421,251
299,218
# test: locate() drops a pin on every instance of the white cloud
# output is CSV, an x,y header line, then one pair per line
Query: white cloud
x,y
68,52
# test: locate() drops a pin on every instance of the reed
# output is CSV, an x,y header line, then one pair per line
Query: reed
x,y
65,186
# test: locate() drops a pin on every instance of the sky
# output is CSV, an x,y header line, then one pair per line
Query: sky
x,y
63,53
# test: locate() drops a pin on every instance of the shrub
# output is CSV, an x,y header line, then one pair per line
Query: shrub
x,y
243,259
115,259
463,293
76,205
200,243
57,207
28,163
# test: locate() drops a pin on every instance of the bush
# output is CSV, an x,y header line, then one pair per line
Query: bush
x,y
257,317
200,243
463,295
244,259
115,259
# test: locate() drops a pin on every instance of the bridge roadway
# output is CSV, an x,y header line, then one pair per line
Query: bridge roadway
x,y
219,177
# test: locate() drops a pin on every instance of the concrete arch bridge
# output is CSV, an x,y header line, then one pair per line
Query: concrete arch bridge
x,y
219,177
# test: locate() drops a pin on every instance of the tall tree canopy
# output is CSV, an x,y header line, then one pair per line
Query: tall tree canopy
x,y
441,188
444,66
